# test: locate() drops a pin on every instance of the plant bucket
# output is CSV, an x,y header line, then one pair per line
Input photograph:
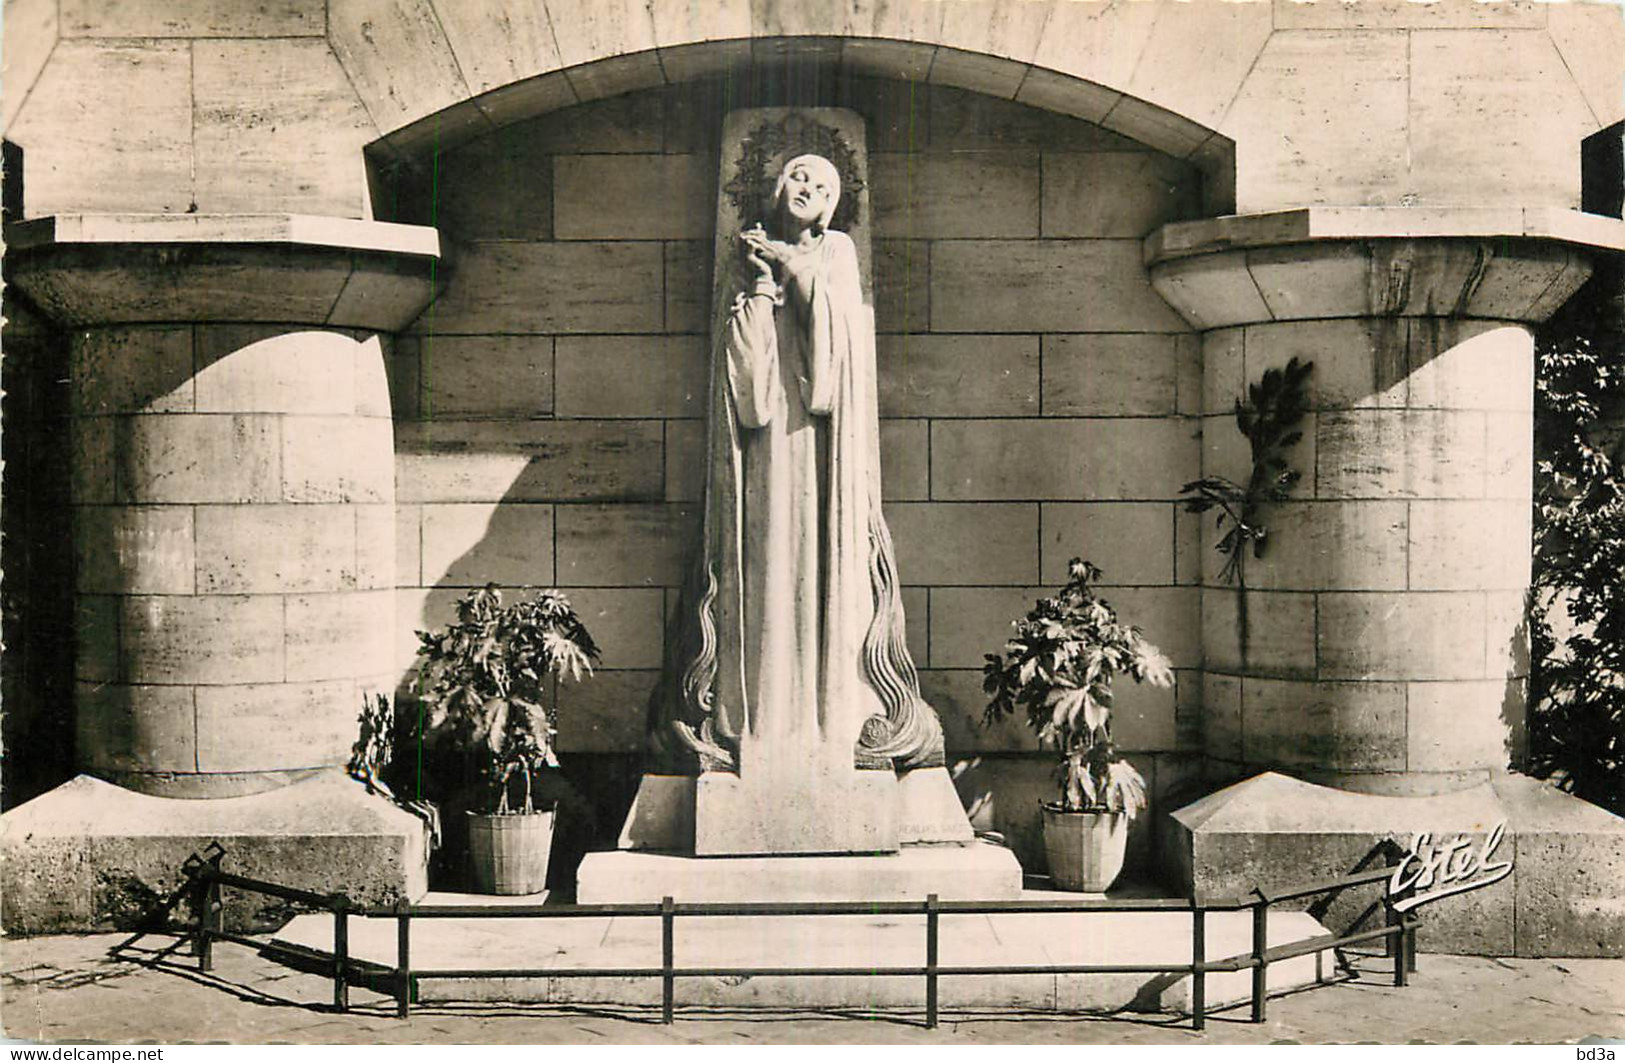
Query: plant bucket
x,y
1085,849
510,853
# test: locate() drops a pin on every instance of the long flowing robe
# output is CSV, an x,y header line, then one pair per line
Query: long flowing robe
x,y
790,637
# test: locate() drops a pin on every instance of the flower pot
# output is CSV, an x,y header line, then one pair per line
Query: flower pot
x,y
1085,849
509,853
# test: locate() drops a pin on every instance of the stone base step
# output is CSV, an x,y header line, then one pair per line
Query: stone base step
x,y
833,941
977,871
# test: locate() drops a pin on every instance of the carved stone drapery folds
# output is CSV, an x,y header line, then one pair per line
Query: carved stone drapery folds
x,y
789,637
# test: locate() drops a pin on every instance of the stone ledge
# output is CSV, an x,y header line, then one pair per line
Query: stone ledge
x,y
1257,269
308,229
291,269
1240,231
92,856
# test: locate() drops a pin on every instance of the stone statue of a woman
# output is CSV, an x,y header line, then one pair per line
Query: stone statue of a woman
x,y
789,657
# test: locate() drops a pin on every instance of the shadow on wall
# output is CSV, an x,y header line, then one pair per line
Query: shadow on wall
x,y
514,541
1602,172
1515,700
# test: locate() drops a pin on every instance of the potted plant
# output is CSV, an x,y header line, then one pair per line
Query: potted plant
x,y
1059,667
484,683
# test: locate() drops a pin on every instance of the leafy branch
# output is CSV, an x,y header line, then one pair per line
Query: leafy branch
x,y
1269,417
373,756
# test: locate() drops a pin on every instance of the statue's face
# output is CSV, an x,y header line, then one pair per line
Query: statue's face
x,y
807,193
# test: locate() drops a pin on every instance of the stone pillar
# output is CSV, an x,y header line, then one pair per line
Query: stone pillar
x,y
1379,644
1379,688
234,532
234,536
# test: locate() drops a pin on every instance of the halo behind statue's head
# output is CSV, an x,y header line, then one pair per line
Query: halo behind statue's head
x,y
767,149
823,168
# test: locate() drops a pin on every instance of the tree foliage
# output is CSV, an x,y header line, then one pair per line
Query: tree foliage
x,y
1577,696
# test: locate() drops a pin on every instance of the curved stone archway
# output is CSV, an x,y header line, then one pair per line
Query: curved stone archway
x,y
805,60
240,109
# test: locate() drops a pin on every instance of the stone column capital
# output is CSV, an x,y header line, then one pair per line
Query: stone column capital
x,y
1341,262
86,270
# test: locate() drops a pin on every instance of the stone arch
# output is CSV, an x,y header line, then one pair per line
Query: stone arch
x,y
467,114
240,109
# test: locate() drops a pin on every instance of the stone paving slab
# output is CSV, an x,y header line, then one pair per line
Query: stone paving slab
x,y
61,989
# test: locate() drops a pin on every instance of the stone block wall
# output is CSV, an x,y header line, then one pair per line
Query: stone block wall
x,y
1039,401
241,107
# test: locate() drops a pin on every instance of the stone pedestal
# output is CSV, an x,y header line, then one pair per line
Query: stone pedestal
x,y
233,500
1379,645
934,851
836,812
924,810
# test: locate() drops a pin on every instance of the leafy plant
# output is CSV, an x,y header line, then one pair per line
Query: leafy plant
x,y
485,682
374,750
1577,695
1059,667
372,760
1269,417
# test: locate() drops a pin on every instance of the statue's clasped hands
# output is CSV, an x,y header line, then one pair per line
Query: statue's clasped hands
x,y
763,252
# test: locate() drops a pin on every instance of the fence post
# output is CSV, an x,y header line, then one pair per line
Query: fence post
x,y
1198,968
211,918
668,949
403,957
1261,927
341,950
1405,940
202,897
931,914
1408,936
200,905
1396,940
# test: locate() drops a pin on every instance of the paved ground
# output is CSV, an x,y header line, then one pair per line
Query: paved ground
x,y
64,989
